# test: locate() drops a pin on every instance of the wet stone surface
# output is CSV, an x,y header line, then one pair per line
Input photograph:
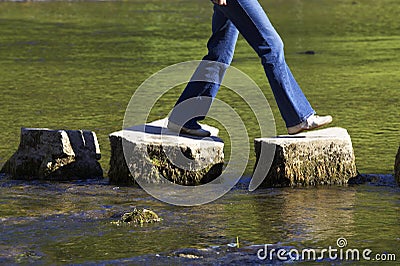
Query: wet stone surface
x,y
138,217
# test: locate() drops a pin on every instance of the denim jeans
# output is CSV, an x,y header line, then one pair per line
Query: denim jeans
x,y
248,18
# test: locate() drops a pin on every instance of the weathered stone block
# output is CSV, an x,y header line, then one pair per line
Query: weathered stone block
x,y
317,157
55,155
397,167
153,154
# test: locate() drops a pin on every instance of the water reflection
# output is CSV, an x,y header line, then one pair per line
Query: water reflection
x,y
71,222
294,216
320,214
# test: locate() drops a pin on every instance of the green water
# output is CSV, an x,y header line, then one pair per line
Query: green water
x,y
48,223
75,65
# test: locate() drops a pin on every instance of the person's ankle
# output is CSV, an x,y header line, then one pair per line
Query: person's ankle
x,y
199,132
312,122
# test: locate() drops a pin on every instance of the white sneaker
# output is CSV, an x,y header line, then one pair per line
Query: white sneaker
x,y
194,132
312,122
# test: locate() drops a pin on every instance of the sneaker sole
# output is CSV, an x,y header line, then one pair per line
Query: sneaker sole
x,y
309,129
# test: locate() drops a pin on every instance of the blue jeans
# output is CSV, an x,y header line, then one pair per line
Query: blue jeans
x,y
248,18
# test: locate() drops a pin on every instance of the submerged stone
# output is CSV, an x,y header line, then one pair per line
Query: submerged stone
x,y
55,155
317,157
397,167
374,179
154,154
138,217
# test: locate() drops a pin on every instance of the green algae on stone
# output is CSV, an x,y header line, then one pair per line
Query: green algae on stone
x,y
320,157
138,217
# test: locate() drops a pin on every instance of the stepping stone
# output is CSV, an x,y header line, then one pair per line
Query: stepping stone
x,y
155,154
313,158
55,155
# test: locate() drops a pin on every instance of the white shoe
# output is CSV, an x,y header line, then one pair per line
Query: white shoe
x,y
312,122
194,132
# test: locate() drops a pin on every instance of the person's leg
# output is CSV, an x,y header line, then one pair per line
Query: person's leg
x,y
250,19
200,90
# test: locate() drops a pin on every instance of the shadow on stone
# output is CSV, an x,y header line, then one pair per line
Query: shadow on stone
x,y
154,154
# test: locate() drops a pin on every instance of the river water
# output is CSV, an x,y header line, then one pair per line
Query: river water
x,y
75,65
56,223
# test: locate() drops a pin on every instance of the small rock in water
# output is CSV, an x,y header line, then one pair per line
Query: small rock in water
x,y
27,257
373,179
307,52
189,256
138,217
